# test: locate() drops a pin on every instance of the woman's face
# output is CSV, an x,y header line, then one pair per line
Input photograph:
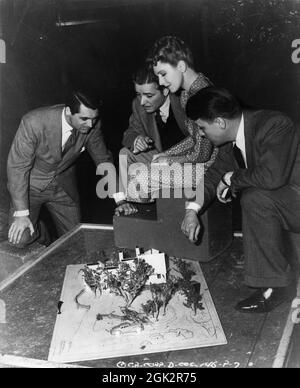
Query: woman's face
x,y
169,76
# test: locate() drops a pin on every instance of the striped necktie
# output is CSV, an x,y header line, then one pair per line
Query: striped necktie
x,y
70,142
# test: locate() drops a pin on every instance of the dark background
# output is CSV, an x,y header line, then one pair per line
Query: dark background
x,y
243,45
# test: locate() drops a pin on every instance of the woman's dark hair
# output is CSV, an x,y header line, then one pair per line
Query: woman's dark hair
x,y
212,102
76,98
170,49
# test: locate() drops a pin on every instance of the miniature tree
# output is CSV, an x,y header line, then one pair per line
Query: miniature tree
x,y
92,277
128,281
189,288
161,295
149,307
156,293
168,290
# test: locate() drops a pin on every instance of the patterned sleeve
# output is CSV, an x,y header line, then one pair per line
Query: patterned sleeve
x,y
203,167
194,148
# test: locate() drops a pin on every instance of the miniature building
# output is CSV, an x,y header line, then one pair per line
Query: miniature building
x,y
157,261
152,257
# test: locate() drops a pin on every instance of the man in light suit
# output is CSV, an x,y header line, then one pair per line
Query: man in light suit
x,y
41,169
259,158
157,122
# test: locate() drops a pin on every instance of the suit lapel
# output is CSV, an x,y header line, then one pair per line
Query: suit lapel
x,y
67,160
54,132
151,127
155,130
179,113
73,153
80,140
248,131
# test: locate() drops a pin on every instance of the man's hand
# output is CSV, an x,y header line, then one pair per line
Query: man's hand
x,y
223,190
160,158
142,143
190,226
126,208
17,228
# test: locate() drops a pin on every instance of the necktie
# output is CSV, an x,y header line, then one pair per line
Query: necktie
x,y
159,121
238,157
70,142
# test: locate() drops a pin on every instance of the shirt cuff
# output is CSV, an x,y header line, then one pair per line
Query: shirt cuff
x,y
118,197
192,206
21,213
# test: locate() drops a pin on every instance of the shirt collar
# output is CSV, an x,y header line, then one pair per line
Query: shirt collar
x,y
240,136
66,127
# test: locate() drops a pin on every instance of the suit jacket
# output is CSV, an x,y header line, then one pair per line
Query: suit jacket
x,y
272,152
143,123
35,157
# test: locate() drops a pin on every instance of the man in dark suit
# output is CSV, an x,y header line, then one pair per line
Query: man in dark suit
x,y
157,122
259,158
40,165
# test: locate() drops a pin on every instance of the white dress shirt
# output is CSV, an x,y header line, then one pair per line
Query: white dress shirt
x,y
240,139
66,129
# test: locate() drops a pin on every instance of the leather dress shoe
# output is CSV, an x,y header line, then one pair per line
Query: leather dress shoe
x,y
263,300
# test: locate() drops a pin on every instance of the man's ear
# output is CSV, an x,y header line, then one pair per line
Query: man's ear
x,y
68,111
221,122
181,66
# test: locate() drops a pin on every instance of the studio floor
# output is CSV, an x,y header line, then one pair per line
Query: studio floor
x,y
31,308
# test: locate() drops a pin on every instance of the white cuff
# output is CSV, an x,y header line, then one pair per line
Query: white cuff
x,y
192,206
21,213
119,197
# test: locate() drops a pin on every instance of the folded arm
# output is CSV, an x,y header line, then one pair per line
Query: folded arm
x,y
194,148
